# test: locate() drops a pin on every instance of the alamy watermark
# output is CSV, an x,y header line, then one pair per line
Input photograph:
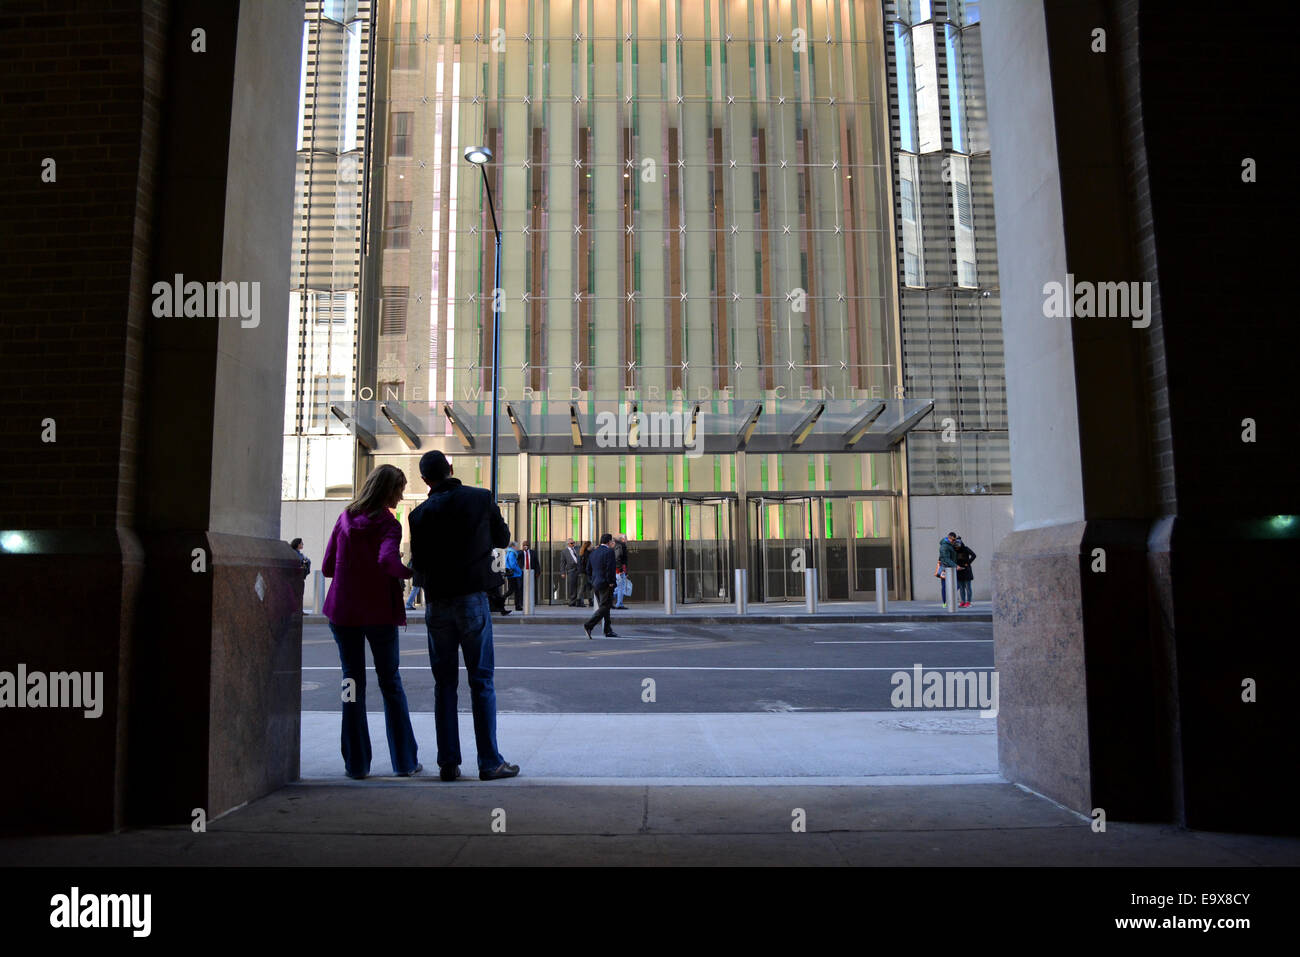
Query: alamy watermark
x,y
1101,300
655,430
213,300
75,909
945,689
58,689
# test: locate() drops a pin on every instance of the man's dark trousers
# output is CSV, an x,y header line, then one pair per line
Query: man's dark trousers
x,y
606,596
465,623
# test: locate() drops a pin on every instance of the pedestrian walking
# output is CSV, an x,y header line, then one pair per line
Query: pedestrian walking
x,y
364,604
514,575
569,571
454,533
414,593
964,555
622,588
584,575
600,568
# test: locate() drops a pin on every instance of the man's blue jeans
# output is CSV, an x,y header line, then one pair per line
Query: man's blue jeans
x,y
465,623
355,738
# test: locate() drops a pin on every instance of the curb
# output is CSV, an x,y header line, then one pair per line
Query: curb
x,y
887,618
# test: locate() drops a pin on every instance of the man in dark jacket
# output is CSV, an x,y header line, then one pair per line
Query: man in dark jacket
x,y
947,564
600,568
965,555
456,537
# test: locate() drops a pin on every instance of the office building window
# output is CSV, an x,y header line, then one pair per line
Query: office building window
x,y
908,201
397,225
326,391
331,307
399,143
392,311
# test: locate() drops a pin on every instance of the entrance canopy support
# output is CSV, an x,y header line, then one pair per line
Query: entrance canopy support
x,y
641,427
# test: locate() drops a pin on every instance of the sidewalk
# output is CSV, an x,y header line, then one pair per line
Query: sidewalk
x,y
814,748
767,613
424,822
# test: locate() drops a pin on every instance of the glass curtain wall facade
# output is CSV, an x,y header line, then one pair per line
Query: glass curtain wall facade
x,y
949,301
324,298
694,202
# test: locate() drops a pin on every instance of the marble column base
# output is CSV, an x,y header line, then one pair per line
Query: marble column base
x,y
1083,682
216,713
1122,689
1038,651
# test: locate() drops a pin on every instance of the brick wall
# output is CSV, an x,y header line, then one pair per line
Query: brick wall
x,y
1159,428
80,83
1211,97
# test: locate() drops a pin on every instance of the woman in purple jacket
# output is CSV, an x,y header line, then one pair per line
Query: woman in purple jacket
x,y
365,602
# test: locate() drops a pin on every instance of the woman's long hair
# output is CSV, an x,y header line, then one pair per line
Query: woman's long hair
x,y
377,491
586,547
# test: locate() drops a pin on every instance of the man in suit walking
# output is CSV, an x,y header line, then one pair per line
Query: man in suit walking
x,y
454,535
600,565
569,571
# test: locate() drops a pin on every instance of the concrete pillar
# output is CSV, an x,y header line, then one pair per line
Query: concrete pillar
x,y
168,469
1117,689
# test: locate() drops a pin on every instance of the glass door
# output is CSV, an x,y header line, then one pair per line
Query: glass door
x,y
871,525
702,540
780,548
554,522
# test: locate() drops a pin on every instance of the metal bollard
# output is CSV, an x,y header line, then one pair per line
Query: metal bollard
x,y
882,589
670,591
950,579
318,591
810,590
528,591
742,591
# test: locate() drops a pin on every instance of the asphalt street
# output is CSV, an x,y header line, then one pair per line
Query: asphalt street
x,y
697,668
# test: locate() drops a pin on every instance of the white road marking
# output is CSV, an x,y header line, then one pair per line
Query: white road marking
x,y
648,667
914,641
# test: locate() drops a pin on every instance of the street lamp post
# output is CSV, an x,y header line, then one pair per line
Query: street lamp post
x,y
480,156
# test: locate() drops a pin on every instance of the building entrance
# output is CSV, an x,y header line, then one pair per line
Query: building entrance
x,y
702,537
780,548
552,523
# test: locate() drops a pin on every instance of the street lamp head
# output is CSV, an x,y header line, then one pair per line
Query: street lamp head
x,y
478,155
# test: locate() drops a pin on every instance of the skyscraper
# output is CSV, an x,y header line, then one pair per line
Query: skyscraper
x,y
701,336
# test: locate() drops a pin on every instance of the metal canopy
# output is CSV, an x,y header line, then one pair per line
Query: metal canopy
x,y
606,427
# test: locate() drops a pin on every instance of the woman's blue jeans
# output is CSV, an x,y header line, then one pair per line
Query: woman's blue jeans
x,y
397,718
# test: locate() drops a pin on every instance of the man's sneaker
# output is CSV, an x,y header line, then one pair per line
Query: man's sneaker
x,y
449,773
411,773
612,634
505,770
